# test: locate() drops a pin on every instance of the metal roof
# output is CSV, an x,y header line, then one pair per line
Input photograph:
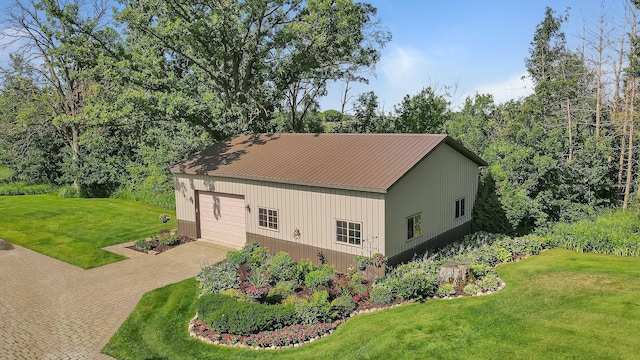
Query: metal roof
x,y
363,162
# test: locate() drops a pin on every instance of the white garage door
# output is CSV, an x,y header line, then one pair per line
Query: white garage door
x,y
222,218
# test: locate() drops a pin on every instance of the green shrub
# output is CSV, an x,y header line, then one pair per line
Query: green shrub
x,y
344,304
164,237
303,267
215,278
413,280
381,295
237,258
280,267
446,290
490,282
613,233
24,188
227,315
503,255
236,294
69,192
356,278
279,292
480,270
358,288
258,256
317,278
143,245
316,311
471,289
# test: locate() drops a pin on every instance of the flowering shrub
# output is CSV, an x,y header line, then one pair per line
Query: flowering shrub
x,y
378,260
288,335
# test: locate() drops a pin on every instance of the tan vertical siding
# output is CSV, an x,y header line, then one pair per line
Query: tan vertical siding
x,y
312,210
431,188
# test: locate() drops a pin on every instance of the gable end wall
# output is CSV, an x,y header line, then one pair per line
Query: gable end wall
x,y
431,189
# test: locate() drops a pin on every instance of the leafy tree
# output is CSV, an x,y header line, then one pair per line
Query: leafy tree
x,y
57,40
475,124
245,56
425,112
28,141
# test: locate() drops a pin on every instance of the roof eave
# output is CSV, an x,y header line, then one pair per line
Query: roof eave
x,y
288,182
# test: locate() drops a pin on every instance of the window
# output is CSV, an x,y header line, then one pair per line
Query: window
x,y
268,218
414,226
348,232
459,208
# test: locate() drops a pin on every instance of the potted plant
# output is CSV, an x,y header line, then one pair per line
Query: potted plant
x,y
379,260
362,262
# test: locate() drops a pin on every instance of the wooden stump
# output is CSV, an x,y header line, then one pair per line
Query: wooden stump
x,y
456,274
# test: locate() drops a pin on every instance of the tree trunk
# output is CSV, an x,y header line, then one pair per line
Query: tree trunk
x,y
627,189
569,131
456,274
623,150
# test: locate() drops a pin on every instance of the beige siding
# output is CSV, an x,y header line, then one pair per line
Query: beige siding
x,y
431,188
311,210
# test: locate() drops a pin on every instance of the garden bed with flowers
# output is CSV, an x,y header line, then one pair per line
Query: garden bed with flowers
x,y
163,241
261,301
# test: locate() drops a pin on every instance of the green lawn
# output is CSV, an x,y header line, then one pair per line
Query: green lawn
x,y
558,305
74,230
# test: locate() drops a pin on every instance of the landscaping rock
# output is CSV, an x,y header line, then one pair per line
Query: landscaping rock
x,y
5,245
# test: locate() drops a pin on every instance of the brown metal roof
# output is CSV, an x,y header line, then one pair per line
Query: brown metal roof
x,y
364,162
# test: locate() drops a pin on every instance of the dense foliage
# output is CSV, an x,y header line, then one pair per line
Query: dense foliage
x,y
226,314
102,104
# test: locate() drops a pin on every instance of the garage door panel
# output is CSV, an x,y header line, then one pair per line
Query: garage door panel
x,y
222,218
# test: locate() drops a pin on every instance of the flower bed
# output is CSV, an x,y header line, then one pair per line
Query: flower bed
x,y
294,303
163,241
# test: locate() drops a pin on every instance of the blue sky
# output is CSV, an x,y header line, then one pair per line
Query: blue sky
x,y
472,45
478,45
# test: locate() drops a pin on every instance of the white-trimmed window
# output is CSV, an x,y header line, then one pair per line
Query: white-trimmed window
x,y
414,226
460,208
348,232
268,218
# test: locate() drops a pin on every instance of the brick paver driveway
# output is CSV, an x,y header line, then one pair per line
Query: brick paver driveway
x,y
52,310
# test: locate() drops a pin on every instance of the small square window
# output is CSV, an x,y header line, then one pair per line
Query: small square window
x,y
348,232
460,208
414,226
268,218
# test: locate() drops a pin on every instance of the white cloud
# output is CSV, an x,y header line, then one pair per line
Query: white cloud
x,y
402,67
514,87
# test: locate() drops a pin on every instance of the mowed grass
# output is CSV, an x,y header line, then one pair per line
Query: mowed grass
x,y
558,305
74,230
